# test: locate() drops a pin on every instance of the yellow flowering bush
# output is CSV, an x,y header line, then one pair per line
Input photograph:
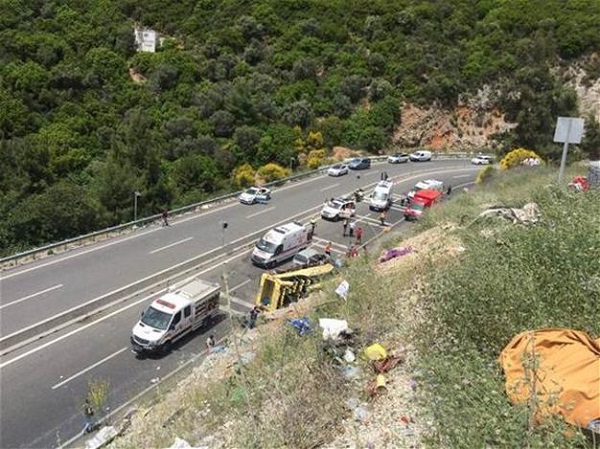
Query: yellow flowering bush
x,y
273,172
315,158
244,176
516,157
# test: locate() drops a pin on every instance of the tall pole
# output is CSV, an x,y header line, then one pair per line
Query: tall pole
x,y
135,197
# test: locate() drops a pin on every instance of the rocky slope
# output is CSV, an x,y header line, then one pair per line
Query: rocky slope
x,y
476,118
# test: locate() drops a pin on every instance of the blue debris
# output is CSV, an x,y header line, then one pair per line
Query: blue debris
x,y
302,324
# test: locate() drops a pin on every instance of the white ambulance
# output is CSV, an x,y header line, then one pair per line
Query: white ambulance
x,y
176,313
381,197
280,244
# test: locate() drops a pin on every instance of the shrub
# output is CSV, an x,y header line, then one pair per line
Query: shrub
x,y
273,172
484,174
244,176
516,157
315,158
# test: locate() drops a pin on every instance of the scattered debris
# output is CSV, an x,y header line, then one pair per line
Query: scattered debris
x,y
579,183
342,290
528,214
333,328
567,373
376,352
102,438
302,325
182,444
394,252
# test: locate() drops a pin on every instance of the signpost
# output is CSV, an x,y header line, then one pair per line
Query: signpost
x,y
568,130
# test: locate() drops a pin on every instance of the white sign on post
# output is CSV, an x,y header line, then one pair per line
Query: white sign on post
x,y
568,130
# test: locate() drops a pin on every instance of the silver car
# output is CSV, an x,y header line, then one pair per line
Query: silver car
x,y
398,158
337,170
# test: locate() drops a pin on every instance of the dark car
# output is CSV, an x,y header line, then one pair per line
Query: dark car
x,y
359,163
309,257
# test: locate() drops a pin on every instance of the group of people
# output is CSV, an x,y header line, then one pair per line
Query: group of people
x,y
351,230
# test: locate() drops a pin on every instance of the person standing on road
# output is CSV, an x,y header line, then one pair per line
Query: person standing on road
x,y
449,191
351,228
328,250
345,226
311,232
165,217
359,233
210,343
88,412
382,218
253,317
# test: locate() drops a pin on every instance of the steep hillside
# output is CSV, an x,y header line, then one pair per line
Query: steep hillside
x,y
87,119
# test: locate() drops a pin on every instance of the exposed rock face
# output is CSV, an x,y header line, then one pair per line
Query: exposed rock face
x,y
470,125
586,86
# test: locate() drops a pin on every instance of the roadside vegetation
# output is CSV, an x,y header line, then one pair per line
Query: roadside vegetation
x,y
452,305
86,121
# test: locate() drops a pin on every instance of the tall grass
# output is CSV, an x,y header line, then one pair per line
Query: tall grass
x,y
509,279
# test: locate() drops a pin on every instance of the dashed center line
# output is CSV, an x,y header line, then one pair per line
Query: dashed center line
x,y
33,295
268,209
171,245
89,368
329,187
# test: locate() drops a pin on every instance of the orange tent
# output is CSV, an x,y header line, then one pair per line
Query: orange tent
x,y
561,367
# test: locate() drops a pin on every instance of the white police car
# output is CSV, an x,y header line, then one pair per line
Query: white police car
x,y
255,195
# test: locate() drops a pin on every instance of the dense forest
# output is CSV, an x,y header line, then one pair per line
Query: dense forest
x,y
86,120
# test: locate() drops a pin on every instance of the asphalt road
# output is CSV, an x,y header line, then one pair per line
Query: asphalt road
x,y
43,384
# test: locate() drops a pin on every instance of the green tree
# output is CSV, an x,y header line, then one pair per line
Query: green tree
x,y
223,123
590,143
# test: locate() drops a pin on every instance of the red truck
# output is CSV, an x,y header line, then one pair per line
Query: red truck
x,y
422,200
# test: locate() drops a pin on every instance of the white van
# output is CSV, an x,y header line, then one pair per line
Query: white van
x,y
280,244
381,198
420,156
176,313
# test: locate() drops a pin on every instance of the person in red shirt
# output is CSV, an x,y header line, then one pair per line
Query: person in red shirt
x,y
359,233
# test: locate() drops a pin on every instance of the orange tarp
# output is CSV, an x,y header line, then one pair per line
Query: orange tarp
x,y
561,366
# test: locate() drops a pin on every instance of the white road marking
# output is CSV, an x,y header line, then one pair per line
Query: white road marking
x,y
33,295
241,302
461,176
110,315
268,209
89,368
171,245
329,187
239,285
371,173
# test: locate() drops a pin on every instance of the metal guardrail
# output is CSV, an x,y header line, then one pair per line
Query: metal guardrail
x,y
11,261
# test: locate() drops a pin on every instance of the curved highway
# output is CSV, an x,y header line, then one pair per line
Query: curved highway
x,y
44,383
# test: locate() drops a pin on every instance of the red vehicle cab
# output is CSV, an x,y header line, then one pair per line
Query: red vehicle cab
x,y
422,200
